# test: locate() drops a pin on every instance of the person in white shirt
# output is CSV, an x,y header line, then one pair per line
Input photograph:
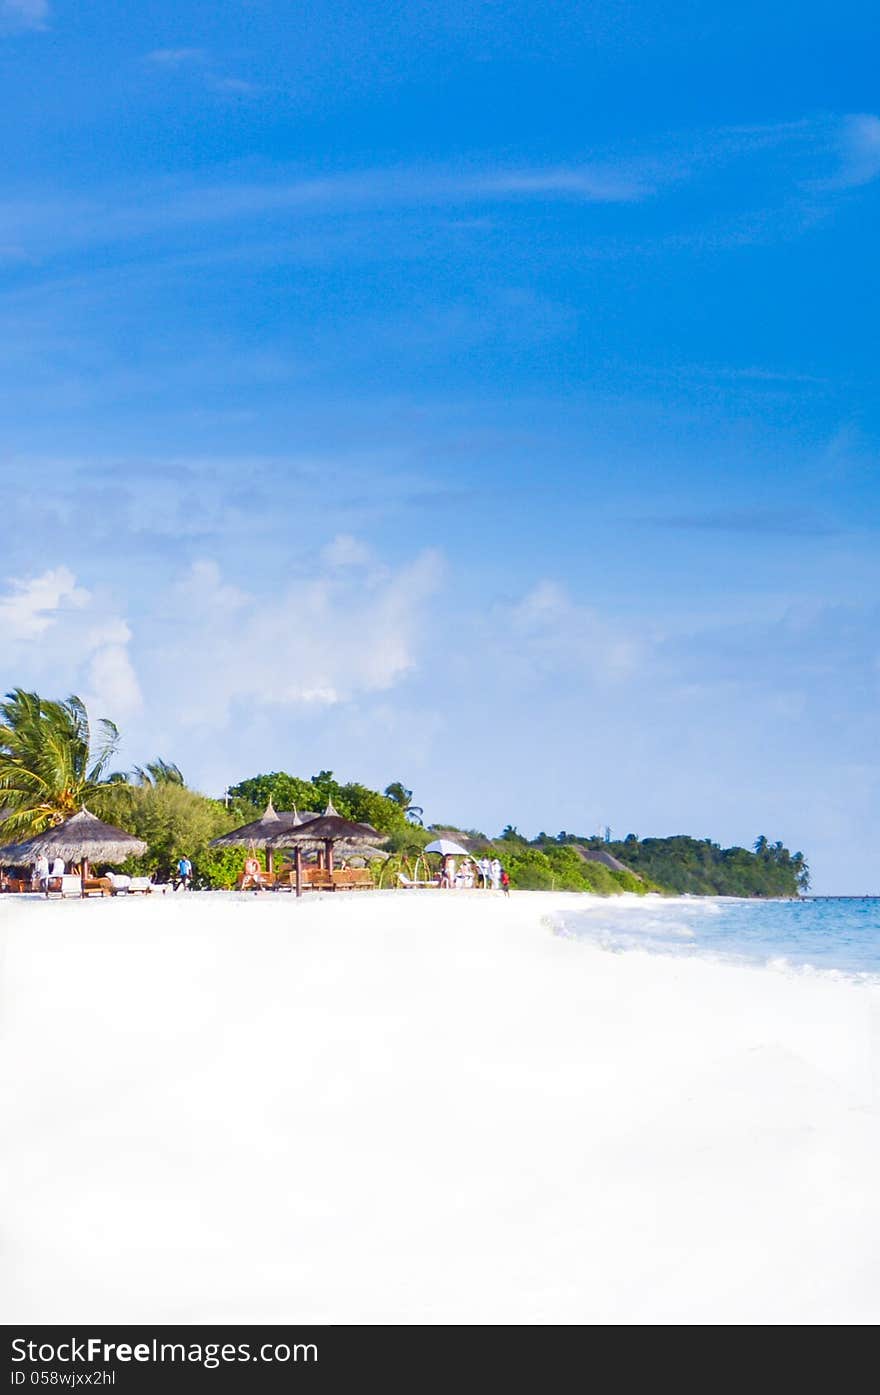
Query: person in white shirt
x,y
496,874
41,872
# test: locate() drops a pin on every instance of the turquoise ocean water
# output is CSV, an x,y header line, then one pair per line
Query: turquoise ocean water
x,y
818,933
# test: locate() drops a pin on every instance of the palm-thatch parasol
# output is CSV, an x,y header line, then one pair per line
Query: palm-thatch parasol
x,y
322,834
259,832
82,838
345,852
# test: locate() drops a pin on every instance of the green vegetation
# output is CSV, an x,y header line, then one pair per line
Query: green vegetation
x,y
699,867
353,801
51,764
174,821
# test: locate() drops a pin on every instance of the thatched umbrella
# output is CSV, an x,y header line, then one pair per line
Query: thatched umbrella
x,y
345,851
260,832
82,838
321,834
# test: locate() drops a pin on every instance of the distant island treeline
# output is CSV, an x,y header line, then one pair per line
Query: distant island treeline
x,y
52,763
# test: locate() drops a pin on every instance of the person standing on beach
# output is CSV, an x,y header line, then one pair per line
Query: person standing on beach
x,y
496,874
40,879
184,873
505,881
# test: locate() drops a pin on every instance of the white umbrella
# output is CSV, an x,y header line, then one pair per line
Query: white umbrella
x,y
447,848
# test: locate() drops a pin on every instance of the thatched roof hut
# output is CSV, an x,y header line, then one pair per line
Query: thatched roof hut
x,y
365,852
262,832
82,838
324,833
270,823
328,828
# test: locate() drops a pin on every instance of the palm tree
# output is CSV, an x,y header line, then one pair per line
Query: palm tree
x,y
401,796
159,772
50,766
801,870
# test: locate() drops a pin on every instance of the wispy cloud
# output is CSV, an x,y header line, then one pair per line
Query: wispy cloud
x,y
176,57
233,86
547,631
601,183
763,522
796,161
859,151
79,221
25,14
346,551
200,61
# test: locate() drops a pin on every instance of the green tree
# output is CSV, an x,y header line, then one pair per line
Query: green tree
x,y
399,793
700,867
353,800
510,834
285,791
175,821
327,786
159,772
51,762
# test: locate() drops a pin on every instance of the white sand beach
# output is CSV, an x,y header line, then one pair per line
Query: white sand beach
x,y
424,1107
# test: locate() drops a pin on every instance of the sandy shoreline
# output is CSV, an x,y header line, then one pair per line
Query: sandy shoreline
x,y
412,1107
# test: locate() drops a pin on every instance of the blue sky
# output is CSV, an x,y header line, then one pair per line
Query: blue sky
x,y
483,395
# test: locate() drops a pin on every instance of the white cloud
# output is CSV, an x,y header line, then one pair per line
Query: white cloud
x,y
233,85
202,595
346,551
860,151
108,632
113,686
209,653
198,59
324,640
552,632
25,14
32,607
175,57
60,636
154,206
588,183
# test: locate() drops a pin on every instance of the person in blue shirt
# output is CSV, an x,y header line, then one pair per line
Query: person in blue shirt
x,y
184,873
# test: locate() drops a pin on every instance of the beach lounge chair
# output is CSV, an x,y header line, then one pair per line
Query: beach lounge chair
x,y
267,882
353,879
67,885
407,882
92,886
313,879
316,879
140,884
